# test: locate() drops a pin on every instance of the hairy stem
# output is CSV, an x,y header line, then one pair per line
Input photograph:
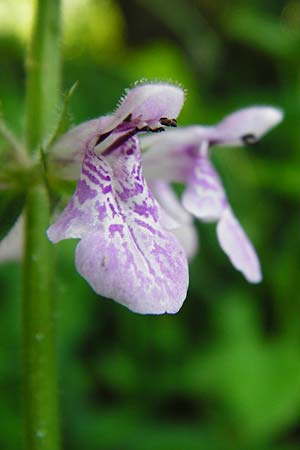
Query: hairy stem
x,y
39,364
43,72
40,379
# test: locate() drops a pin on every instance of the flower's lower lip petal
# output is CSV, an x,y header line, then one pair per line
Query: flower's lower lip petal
x,y
145,272
169,201
125,253
171,208
204,196
188,237
238,248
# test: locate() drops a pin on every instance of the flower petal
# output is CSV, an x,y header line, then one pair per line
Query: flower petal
x,y
142,108
67,153
188,237
124,253
141,269
246,126
184,230
204,196
237,246
149,102
170,156
169,201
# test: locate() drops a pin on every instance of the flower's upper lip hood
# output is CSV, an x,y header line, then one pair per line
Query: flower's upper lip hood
x,y
247,124
142,107
151,102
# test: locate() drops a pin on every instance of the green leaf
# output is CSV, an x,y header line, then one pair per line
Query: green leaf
x,y
63,123
11,205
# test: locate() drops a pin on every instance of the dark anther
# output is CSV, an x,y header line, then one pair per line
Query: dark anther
x,y
120,140
168,122
153,130
128,118
145,128
157,130
102,137
249,139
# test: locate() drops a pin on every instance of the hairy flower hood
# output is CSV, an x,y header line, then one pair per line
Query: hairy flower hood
x,y
146,107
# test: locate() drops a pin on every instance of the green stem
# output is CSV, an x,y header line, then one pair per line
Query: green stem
x,y
43,72
40,378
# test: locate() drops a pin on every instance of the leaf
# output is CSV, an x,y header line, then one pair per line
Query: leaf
x,y
11,205
63,122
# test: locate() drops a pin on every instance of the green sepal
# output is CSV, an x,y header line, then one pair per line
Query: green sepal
x,y
64,121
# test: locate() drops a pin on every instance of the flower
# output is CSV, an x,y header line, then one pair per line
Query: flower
x,y
125,252
130,230
184,155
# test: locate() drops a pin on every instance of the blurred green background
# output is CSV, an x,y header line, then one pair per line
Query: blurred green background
x,y
224,373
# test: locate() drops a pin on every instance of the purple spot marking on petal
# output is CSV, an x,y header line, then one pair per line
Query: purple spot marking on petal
x,y
90,176
101,208
207,184
116,228
84,192
98,170
165,262
139,188
145,225
126,193
112,208
106,189
192,151
120,210
145,210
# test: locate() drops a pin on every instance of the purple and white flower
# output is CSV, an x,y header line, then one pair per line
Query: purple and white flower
x,y
183,155
125,251
135,235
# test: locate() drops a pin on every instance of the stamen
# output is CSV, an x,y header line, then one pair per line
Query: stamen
x,y
157,130
249,139
128,118
168,122
103,136
119,141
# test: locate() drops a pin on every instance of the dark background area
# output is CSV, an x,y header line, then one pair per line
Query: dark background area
x,y
224,373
